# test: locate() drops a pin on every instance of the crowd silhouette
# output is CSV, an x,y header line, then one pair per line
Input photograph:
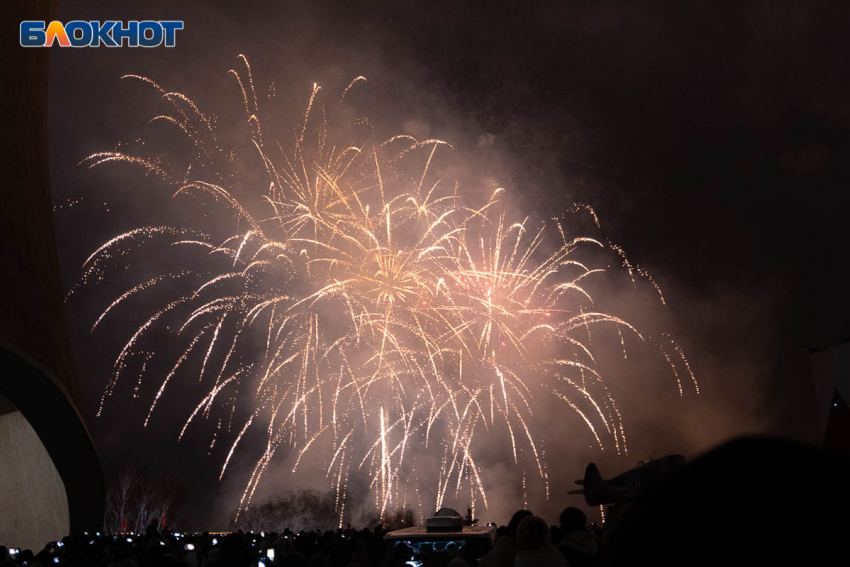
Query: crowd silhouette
x,y
361,548
753,501
526,541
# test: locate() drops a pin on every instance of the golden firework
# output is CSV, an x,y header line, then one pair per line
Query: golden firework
x,y
363,311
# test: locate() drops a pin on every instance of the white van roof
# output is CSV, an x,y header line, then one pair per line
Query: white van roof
x,y
422,533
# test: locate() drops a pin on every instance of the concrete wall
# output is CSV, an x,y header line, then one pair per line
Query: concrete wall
x,y
32,494
32,315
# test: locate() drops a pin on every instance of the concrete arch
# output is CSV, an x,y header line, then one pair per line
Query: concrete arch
x,y
37,371
43,440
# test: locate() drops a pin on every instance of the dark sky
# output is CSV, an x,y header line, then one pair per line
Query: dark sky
x,y
712,138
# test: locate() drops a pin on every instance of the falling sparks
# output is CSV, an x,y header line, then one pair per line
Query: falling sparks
x,y
524,493
359,307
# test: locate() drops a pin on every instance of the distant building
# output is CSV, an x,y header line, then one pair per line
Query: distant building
x,y
51,483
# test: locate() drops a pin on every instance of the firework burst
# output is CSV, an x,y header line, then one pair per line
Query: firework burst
x,y
361,309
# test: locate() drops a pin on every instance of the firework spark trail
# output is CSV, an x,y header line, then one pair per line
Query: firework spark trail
x,y
367,304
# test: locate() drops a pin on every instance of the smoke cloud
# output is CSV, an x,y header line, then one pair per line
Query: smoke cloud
x,y
511,124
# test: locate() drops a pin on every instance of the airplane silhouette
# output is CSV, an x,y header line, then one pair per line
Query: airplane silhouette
x,y
628,485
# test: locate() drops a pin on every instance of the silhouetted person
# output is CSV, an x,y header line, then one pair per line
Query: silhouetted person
x,y
294,560
555,535
361,553
504,551
534,548
401,555
318,560
752,501
233,551
578,544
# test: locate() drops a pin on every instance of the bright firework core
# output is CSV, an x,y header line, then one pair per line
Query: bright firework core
x,y
359,311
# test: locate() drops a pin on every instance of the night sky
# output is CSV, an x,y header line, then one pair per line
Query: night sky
x,y
712,139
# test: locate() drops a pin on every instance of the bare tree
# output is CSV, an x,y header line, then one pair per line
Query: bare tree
x,y
120,491
297,510
136,499
393,519
156,497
